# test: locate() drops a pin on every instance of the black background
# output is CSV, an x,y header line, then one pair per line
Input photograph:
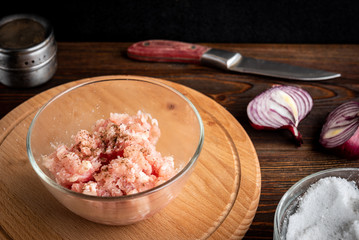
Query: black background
x,y
222,21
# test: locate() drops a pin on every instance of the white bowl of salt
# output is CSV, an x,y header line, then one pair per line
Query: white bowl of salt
x,y
324,205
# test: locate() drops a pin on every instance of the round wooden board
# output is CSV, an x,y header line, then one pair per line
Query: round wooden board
x,y
219,201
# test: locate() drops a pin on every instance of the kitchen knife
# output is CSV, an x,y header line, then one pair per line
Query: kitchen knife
x,y
174,51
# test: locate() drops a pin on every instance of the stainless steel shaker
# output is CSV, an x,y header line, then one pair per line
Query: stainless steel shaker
x,y
27,51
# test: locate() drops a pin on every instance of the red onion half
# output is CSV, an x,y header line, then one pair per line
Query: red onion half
x,y
340,131
280,107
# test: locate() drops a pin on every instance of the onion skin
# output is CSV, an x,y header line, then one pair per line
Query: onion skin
x,y
345,116
350,149
280,107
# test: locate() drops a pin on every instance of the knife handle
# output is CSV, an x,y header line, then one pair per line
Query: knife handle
x,y
166,51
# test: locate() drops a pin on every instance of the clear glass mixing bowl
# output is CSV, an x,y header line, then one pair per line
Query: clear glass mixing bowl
x,y
78,108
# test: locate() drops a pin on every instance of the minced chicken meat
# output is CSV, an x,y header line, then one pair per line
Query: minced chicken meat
x,y
117,158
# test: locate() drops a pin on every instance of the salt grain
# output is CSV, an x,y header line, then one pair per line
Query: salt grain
x,y
328,210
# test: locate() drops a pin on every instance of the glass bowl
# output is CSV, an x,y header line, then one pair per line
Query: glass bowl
x,y
78,108
289,202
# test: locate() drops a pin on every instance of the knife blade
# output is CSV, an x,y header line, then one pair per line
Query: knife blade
x,y
174,51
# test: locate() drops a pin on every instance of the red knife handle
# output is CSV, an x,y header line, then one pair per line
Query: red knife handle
x,y
166,51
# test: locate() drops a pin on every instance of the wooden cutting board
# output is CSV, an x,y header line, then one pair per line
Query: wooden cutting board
x,y
219,201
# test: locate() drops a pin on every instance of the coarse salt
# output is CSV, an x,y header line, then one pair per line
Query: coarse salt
x,y
328,210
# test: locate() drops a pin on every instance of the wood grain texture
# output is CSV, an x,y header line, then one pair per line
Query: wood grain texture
x,y
219,201
166,51
282,164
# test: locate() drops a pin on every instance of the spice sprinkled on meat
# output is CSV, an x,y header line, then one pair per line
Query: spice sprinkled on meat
x,y
118,157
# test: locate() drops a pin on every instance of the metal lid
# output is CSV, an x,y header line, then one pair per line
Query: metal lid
x,y
26,42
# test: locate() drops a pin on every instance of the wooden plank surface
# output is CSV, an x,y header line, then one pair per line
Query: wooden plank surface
x,y
282,164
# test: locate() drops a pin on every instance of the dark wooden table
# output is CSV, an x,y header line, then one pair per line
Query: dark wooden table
x,y
282,163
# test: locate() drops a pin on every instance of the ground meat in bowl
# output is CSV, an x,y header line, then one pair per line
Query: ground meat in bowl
x,y
118,157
